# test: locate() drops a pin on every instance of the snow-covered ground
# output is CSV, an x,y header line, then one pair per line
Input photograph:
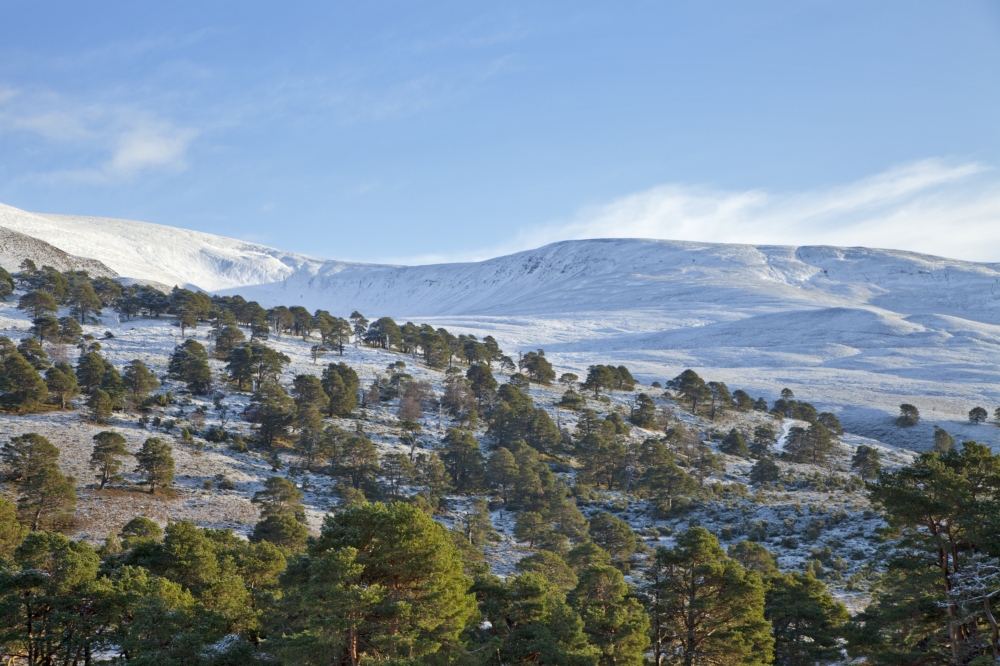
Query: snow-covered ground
x,y
859,330
796,519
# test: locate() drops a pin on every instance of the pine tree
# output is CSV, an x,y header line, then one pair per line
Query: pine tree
x,y
139,380
6,284
280,497
643,413
23,456
765,470
106,458
32,351
189,363
943,442
763,439
37,303
501,471
90,368
12,532
690,387
83,301
710,609
61,382
283,531
721,398
271,410
867,461
613,620
23,389
341,383
46,495
463,459
614,536
807,624
908,416
380,583
531,621
599,377
734,444
100,405
308,390
70,331
156,464
358,461
45,328
397,470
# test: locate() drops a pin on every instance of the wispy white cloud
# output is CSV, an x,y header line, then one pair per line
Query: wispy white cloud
x,y
932,206
121,142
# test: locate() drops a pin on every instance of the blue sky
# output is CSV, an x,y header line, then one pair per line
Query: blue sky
x,y
434,131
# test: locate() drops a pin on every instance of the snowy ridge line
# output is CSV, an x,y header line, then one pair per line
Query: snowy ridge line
x,y
862,330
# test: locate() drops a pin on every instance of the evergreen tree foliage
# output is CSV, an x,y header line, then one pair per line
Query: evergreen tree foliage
x,y
613,620
106,458
708,608
908,416
809,445
22,389
502,471
599,378
867,461
189,364
614,536
691,388
83,301
90,369
530,621
734,444
25,455
47,496
463,459
45,328
139,380
806,622
763,440
61,382
943,442
37,303
6,284
12,532
341,383
380,583
251,365
765,470
943,509
271,411
100,405
156,463
643,413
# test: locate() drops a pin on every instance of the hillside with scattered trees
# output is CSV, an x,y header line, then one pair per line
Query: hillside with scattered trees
x,y
197,479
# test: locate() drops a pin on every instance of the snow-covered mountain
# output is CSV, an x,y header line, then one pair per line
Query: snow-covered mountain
x,y
858,330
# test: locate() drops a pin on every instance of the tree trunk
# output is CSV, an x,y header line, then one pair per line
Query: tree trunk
x,y
995,638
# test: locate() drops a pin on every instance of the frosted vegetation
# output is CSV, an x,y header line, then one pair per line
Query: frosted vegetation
x,y
200,479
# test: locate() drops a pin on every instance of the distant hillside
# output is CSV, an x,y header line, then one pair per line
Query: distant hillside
x,y
861,329
15,247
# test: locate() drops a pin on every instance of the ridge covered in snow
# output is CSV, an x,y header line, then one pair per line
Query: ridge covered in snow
x,y
863,329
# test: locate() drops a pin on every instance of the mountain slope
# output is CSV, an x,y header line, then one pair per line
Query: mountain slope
x,y
15,247
861,330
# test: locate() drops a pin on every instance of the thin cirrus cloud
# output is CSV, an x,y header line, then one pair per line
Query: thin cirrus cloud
x,y
124,142
932,206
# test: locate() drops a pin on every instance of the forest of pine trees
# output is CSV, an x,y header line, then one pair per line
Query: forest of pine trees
x,y
387,579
